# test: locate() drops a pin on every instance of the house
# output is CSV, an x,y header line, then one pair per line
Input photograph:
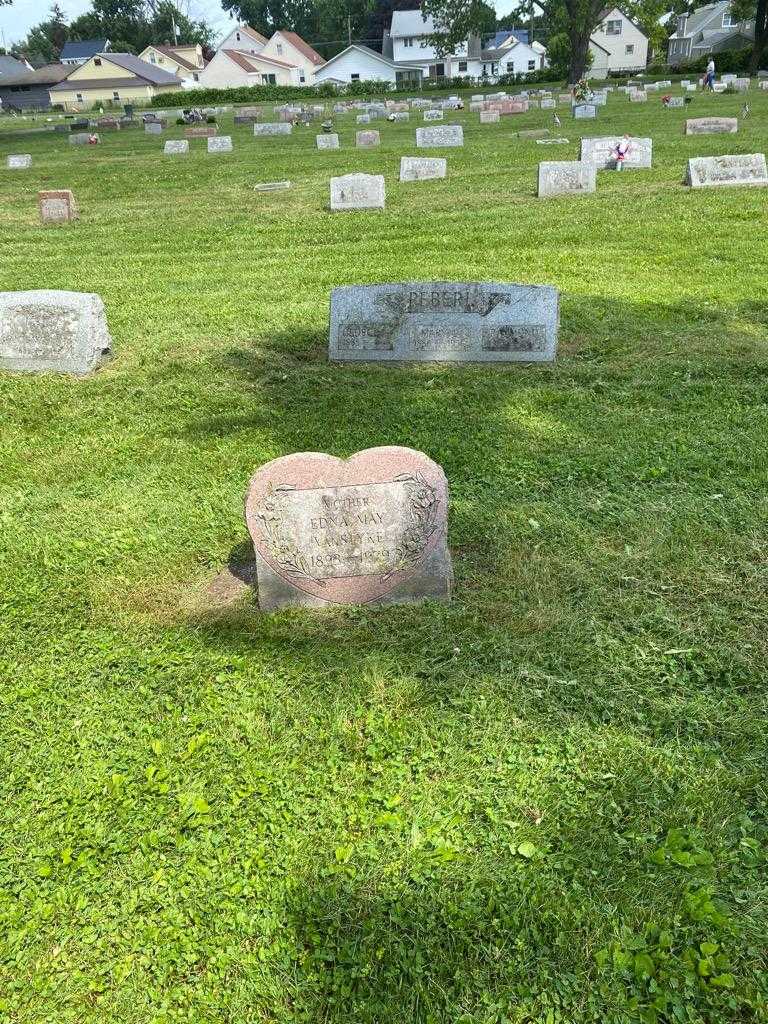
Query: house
x,y
78,52
28,89
407,43
112,78
290,47
513,58
245,39
13,65
361,64
709,29
230,69
184,61
617,44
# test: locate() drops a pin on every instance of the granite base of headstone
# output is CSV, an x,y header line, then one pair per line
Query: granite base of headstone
x,y
58,331
367,530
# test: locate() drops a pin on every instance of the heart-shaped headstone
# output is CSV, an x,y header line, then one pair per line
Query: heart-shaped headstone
x,y
348,531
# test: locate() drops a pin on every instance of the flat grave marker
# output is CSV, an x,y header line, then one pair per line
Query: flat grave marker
x,y
721,171
60,331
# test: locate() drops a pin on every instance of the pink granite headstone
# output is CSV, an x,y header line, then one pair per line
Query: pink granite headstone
x,y
366,530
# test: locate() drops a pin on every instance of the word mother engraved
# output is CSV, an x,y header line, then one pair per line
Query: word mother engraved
x,y
444,321
370,529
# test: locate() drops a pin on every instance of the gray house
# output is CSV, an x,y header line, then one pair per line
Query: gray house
x,y
709,29
80,51
25,89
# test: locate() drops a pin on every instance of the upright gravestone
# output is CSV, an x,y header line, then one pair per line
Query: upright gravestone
x,y
57,206
329,141
548,104
638,97
444,322
400,116
358,192
711,125
566,178
718,171
363,119
154,127
366,530
584,111
273,128
51,330
176,147
82,139
18,162
489,116
414,168
675,103
201,131
440,135
601,152
433,115
220,144
365,140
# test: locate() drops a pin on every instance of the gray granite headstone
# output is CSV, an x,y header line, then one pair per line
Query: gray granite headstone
x,y
153,127
358,192
675,103
440,135
18,162
363,119
718,171
584,111
415,168
433,115
711,125
599,151
548,104
53,330
176,147
444,322
400,116
79,138
273,128
220,144
489,116
371,529
328,141
566,178
366,139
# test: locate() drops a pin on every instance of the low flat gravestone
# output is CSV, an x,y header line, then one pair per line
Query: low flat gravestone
x,y
400,116
367,530
566,178
711,125
675,102
271,186
600,152
57,206
176,147
18,162
440,135
489,116
533,133
719,171
245,118
367,139
329,141
547,104
154,127
433,115
741,84
638,97
50,330
415,168
358,192
584,111
444,322
220,144
201,131
273,128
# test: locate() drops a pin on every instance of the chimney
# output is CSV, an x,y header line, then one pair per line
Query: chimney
x,y
682,24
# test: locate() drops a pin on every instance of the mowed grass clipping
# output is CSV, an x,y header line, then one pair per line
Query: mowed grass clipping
x,y
543,803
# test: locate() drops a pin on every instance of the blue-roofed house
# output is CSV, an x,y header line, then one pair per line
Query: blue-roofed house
x,y
498,41
79,51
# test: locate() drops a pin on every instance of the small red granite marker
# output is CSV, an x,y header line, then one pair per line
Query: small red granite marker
x,y
366,530
57,206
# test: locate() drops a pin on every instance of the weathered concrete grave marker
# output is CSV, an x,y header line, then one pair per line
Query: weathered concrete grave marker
x,y
220,144
489,116
433,115
371,529
328,141
18,162
719,171
444,322
367,139
415,168
273,128
358,192
271,186
440,135
566,178
53,330
711,125
176,147
57,206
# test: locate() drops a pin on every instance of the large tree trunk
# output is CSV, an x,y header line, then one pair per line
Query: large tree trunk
x,y
761,36
579,51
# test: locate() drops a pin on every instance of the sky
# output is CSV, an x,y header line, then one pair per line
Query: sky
x,y
15,21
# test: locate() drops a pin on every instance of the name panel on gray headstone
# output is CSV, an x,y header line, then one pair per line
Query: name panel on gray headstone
x,y
220,144
176,147
711,125
415,168
358,192
602,152
18,162
584,111
565,178
329,141
440,135
444,322
52,330
367,139
717,171
273,128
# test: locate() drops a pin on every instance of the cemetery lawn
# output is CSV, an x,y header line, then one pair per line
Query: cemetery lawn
x,y
545,802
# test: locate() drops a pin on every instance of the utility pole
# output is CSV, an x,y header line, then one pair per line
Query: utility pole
x,y
349,29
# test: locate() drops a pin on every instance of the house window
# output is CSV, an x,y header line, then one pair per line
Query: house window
x,y
462,65
629,48
79,97
354,78
510,67
152,59
237,36
302,76
279,49
531,65
407,42
97,61
613,28
195,76
268,80
728,20
116,97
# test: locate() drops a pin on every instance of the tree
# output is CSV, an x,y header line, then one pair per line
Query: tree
x,y
324,24
647,14
164,15
748,10
44,42
457,20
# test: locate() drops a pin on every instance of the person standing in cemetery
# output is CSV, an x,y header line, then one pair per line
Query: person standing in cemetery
x,y
709,76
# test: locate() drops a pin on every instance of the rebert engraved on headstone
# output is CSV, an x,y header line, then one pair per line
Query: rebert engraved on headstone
x,y
273,128
176,147
416,168
371,529
329,141
444,322
18,162
566,177
367,139
220,144
357,192
718,171
601,152
440,135
57,206
711,125
51,330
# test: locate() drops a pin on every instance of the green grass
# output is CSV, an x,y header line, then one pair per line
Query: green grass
x,y
543,803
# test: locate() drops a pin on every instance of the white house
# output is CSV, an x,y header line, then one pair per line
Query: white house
x,y
617,44
229,69
709,29
245,39
184,61
406,44
512,58
360,64
291,48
